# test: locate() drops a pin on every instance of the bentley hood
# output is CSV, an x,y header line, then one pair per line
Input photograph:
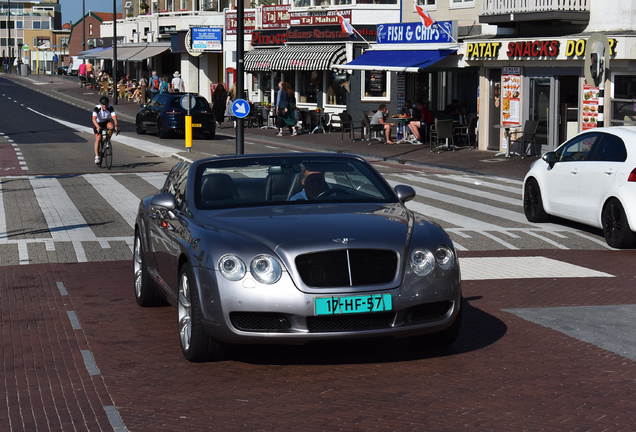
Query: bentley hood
x,y
295,229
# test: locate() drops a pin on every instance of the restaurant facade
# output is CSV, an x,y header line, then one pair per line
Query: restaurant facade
x,y
544,79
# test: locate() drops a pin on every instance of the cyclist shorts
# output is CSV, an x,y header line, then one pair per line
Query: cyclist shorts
x,y
102,125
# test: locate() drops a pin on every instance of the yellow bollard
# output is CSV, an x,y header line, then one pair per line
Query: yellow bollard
x,y
188,132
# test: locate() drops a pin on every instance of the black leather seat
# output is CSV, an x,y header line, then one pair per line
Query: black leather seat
x,y
217,187
277,186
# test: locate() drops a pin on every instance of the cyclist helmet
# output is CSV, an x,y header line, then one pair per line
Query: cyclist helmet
x,y
103,100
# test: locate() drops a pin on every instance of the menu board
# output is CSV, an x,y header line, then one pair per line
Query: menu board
x,y
590,115
511,97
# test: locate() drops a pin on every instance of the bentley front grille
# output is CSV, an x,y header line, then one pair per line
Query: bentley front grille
x,y
347,267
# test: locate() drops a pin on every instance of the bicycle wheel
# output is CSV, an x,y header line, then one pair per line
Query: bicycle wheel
x,y
107,159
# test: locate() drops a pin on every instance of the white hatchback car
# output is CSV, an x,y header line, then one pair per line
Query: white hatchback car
x,y
589,179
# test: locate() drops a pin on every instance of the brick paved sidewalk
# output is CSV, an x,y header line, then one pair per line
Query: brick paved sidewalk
x,y
466,160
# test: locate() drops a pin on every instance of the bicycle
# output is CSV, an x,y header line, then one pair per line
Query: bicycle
x,y
106,149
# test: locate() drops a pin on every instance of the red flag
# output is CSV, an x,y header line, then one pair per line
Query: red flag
x,y
426,18
345,25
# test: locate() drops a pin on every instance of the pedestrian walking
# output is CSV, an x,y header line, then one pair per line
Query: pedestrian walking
x,y
82,74
154,83
164,87
219,98
286,108
177,85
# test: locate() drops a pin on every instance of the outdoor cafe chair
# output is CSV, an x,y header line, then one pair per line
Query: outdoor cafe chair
x,y
372,132
443,132
347,127
524,143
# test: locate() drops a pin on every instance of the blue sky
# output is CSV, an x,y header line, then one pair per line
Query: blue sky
x,y
72,9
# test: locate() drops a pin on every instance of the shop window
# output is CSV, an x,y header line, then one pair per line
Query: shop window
x,y
624,100
309,86
265,85
428,4
337,88
376,1
457,4
376,86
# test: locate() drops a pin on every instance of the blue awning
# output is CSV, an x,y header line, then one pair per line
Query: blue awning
x,y
396,60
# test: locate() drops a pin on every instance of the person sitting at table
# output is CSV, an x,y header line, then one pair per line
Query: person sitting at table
x,y
379,119
422,117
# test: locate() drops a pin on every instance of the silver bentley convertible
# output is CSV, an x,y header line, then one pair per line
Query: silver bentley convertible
x,y
292,248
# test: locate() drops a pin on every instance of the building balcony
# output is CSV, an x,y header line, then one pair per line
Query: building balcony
x,y
506,11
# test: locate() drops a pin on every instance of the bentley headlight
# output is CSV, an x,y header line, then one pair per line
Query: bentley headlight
x,y
232,267
266,269
422,262
444,257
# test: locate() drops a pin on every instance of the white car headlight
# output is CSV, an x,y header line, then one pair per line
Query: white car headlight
x,y
444,257
232,267
266,269
422,261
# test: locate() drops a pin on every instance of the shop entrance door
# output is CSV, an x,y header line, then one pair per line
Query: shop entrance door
x,y
495,108
568,107
539,109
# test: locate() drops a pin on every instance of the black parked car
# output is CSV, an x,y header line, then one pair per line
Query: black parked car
x,y
164,114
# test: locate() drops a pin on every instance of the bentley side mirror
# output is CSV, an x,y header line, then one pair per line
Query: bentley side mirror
x,y
404,193
164,201
550,158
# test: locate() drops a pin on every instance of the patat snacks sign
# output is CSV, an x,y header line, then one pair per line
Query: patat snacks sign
x,y
511,97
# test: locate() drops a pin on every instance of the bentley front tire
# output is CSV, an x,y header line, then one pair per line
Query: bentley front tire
x,y
446,337
196,344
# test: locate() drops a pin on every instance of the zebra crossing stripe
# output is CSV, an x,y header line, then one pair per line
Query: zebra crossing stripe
x,y
480,182
155,179
463,189
451,217
116,195
545,239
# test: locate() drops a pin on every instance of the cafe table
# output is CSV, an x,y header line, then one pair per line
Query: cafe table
x,y
402,128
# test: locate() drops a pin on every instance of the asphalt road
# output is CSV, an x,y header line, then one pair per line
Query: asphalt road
x,y
548,341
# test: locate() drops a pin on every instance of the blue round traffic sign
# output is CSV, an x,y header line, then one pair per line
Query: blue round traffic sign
x,y
241,108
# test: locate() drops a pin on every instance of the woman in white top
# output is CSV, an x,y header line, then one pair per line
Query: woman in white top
x,y
177,84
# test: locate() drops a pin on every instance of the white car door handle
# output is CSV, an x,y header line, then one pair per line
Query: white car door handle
x,y
574,171
608,172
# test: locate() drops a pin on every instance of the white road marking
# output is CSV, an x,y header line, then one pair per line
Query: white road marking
x,y
116,195
136,143
63,218
155,179
23,253
535,267
480,182
498,240
464,189
545,239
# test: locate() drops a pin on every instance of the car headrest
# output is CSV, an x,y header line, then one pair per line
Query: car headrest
x,y
217,187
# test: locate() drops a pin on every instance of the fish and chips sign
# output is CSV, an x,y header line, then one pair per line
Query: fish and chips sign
x,y
408,33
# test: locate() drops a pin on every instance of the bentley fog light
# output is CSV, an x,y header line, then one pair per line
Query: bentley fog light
x,y
231,267
266,269
422,262
444,257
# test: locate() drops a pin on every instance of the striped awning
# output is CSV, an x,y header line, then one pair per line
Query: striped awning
x,y
260,59
309,57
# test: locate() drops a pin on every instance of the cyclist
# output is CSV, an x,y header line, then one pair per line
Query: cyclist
x,y
104,116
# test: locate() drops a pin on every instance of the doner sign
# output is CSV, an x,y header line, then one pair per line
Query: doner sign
x,y
207,38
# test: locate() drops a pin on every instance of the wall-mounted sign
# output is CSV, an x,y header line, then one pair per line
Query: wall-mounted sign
x,y
400,33
269,37
231,21
323,17
275,16
590,102
482,50
329,34
543,48
511,96
207,38
577,47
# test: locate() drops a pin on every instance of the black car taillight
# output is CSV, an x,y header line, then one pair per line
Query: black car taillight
x,y
632,176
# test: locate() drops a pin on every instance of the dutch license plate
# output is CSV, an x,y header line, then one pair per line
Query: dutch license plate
x,y
196,124
355,304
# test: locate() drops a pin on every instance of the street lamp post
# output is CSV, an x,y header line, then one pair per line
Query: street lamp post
x,y
115,52
240,38
9,45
